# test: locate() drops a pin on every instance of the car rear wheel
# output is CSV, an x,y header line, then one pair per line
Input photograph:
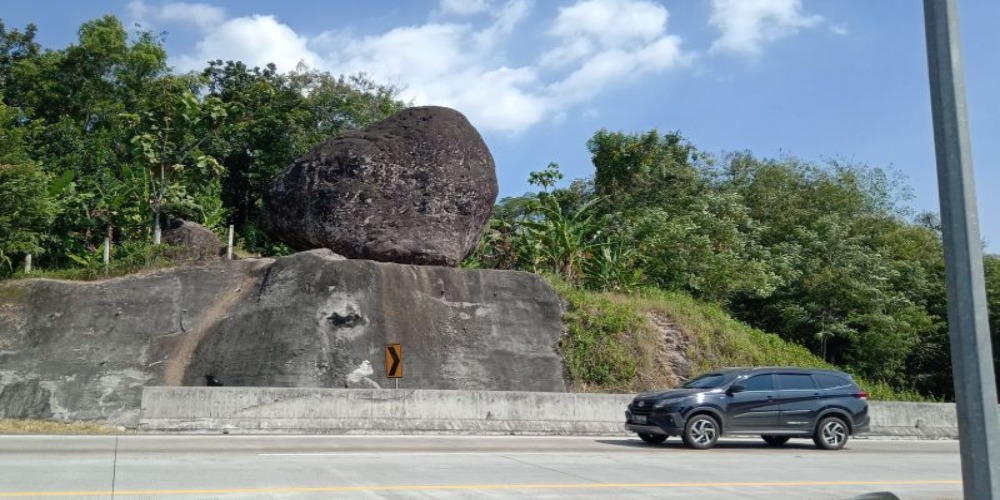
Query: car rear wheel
x,y
775,440
652,438
701,432
831,433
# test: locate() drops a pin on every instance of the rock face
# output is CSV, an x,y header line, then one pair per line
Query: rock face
x,y
85,350
194,241
415,188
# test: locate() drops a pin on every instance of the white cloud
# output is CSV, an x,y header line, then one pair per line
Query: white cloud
x,y
201,15
255,40
508,17
609,41
464,7
593,44
746,25
613,23
437,64
614,65
567,53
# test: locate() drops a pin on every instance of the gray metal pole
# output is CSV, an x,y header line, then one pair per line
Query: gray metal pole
x,y
971,354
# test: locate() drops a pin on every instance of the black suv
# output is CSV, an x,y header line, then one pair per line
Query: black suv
x,y
776,403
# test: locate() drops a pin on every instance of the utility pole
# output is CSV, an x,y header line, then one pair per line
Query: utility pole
x,y
971,353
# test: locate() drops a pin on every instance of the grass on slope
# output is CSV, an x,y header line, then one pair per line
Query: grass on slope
x,y
18,426
612,343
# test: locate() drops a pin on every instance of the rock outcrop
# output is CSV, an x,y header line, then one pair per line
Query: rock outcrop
x,y
415,188
84,350
193,242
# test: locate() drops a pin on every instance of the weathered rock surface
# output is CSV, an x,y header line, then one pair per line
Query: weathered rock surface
x,y
84,350
415,188
194,242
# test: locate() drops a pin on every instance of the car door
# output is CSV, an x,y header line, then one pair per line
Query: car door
x,y
799,400
755,408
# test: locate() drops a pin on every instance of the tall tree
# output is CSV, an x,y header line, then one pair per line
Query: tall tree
x,y
168,135
15,46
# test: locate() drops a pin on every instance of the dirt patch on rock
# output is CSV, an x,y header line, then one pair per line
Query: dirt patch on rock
x,y
180,359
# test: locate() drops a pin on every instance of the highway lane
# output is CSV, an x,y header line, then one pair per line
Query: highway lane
x,y
245,467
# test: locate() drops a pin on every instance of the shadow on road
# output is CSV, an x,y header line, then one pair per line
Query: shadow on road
x,y
675,443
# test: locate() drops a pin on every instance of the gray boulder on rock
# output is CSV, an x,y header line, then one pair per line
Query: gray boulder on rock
x,y
193,242
415,188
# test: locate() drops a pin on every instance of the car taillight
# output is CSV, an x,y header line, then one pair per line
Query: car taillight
x,y
862,395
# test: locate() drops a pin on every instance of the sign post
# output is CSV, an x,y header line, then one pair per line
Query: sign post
x,y
394,362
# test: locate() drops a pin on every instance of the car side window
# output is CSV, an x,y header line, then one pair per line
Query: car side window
x,y
795,381
831,381
759,383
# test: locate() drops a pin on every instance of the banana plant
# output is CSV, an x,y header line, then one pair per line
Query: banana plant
x,y
562,240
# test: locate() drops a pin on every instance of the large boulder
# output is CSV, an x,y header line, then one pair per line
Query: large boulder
x,y
415,188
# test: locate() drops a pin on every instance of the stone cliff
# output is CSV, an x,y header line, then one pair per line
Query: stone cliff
x,y
84,350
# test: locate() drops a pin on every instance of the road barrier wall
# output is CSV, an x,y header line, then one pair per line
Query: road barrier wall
x,y
410,411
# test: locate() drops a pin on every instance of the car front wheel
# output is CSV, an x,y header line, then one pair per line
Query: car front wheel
x,y
775,440
701,432
831,433
652,438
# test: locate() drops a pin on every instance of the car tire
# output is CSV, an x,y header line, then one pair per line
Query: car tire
x,y
701,432
831,433
652,438
775,440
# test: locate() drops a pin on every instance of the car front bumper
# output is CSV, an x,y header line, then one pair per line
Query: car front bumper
x,y
660,424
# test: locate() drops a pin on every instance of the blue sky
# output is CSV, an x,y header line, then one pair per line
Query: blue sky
x,y
843,80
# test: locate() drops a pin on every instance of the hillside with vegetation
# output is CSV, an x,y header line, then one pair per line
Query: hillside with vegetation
x,y
824,256
101,140
651,339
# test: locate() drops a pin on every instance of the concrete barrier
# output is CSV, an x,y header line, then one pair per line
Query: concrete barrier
x,y
409,411
346,411
921,420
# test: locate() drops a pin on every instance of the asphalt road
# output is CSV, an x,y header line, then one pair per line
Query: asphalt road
x,y
258,467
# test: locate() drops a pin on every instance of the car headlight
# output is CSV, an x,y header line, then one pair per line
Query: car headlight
x,y
662,404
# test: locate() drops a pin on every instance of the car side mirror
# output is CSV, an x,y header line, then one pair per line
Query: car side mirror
x,y
733,389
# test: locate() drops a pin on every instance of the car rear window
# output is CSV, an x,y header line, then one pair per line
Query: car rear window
x,y
832,381
795,381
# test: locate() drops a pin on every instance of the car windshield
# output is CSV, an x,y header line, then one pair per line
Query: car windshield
x,y
707,381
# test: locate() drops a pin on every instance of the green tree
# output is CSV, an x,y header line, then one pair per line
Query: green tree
x,y
26,211
645,169
168,133
841,292
691,232
76,104
15,46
